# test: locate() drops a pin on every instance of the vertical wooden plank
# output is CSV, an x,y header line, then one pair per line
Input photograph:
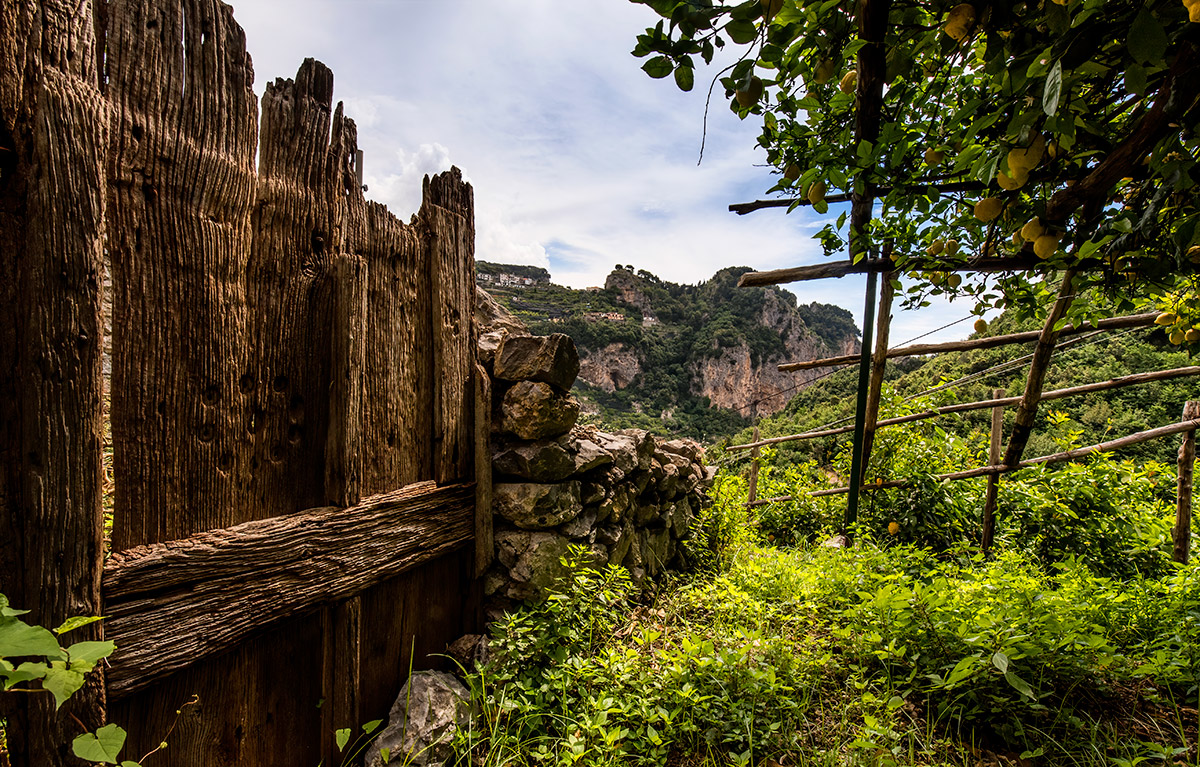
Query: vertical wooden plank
x,y
1182,534
342,445
756,455
1027,410
397,420
184,138
53,144
993,486
447,213
341,678
878,362
484,547
297,225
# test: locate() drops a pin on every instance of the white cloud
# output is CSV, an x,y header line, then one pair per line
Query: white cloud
x,y
579,160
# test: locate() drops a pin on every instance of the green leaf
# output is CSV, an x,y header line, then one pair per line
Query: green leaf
x,y
386,755
102,746
1135,79
685,78
1053,90
18,638
1147,39
372,725
78,621
741,32
658,67
1019,684
1000,661
342,737
26,672
62,683
8,612
90,652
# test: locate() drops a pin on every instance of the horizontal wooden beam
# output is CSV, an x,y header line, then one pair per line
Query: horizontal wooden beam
x,y
742,208
1133,379
970,344
171,604
1069,455
1022,262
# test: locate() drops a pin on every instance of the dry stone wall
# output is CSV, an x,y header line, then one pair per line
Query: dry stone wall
x,y
628,497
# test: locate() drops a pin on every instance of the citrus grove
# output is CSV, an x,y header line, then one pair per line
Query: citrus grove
x,y
1060,135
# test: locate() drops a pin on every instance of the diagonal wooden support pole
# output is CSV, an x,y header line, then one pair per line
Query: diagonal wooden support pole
x,y
1027,410
878,364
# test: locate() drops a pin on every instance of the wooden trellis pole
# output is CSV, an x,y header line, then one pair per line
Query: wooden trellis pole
x,y
752,496
993,488
1183,509
1023,426
872,29
878,364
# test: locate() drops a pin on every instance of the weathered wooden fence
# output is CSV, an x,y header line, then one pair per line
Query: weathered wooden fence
x,y
293,395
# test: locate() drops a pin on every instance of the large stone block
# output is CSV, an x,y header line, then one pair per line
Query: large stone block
x,y
534,410
588,455
542,461
533,506
552,359
533,561
431,707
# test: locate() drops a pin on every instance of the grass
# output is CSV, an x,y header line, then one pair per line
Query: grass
x,y
846,657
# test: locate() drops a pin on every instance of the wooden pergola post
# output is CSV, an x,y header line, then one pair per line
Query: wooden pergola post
x,y
993,486
872,29
1183,498
878,363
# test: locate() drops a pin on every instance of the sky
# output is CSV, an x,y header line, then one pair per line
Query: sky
x,y
578,159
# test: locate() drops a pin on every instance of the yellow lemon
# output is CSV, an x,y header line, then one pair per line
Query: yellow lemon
x,y
816,192
1192,336
1045,246
824,71
1166,318
951,247
1032,230
893,528
750,96
849,81
791,172
1016,181
988,208
1176,337
954,280
936,247
934,157
980,325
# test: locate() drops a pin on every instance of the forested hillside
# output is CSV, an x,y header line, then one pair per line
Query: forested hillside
x,y
973,375
698,360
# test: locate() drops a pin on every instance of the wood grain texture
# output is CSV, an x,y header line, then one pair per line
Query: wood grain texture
x,y
182,185
343,443
484,519
447,212
53,144
397,421
170,604
989,342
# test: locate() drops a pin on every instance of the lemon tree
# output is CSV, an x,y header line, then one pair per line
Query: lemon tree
x,y
1060,133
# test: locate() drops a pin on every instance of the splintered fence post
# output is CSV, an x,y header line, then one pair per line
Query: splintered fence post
x,y
753,495
993,486
1183,509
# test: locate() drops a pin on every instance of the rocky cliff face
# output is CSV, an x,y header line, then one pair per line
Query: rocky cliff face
x,y
733,379
613,367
